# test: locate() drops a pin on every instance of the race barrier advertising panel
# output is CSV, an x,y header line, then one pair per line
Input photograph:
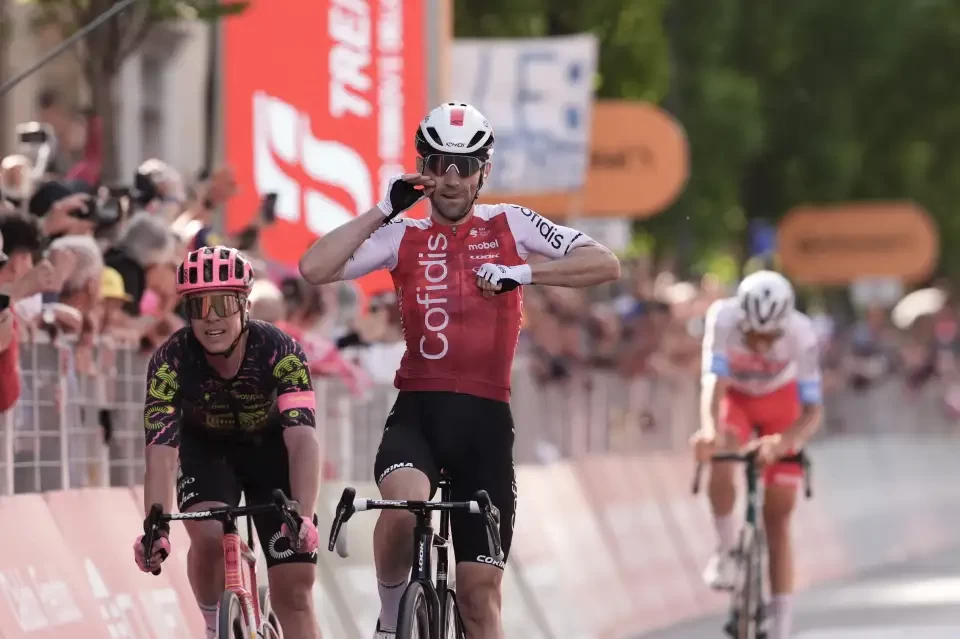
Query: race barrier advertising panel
x,y
609,541
606,546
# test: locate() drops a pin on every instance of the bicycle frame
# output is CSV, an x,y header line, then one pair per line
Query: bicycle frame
x,y
239,558
752,537
424,538
422,558
238,555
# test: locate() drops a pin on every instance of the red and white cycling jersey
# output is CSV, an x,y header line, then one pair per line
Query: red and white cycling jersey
x,y
795,357
457,339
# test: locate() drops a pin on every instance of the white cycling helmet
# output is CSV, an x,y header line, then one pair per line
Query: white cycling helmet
x,y
766,298
455,127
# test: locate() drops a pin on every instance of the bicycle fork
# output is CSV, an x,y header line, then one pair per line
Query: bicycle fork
x,y
423,570
748,594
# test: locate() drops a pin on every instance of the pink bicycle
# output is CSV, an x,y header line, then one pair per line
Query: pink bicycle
x,y
242,616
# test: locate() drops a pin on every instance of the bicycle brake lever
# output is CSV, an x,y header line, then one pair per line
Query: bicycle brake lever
x,y
290,513
344,512
491,515
150,529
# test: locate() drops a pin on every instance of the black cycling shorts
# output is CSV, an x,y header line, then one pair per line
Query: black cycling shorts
x,y
471,438
218,469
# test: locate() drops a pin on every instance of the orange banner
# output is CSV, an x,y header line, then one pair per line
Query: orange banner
x,y
639,164
843,243
322,101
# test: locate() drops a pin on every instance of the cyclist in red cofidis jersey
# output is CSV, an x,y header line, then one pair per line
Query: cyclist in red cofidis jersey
x,y
458,276
230,409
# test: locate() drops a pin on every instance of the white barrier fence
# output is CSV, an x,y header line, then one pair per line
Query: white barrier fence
x,y
74,429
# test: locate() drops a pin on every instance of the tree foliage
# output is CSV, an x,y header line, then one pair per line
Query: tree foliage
x,y
783,102
103,53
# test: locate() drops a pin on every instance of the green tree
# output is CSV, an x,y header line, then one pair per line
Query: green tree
x,y
103,53
783,103
816,102
633,61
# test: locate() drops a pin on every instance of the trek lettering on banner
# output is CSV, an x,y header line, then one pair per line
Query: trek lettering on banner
x,y
324,115
538,94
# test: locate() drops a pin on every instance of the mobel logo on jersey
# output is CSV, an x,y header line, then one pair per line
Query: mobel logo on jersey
x,y
290,161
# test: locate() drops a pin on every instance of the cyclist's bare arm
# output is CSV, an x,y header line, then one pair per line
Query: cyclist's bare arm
x,y
810,388
583,266
713,388
574,259
158,480
297,402
324,262
715,372
161,423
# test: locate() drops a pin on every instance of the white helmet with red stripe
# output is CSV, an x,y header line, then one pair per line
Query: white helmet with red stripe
x,y
455,127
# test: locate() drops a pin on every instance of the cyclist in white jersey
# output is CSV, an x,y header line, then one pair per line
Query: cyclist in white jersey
x,y
761,371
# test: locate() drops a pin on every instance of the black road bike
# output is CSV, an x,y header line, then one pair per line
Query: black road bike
x,y
427,610
748,606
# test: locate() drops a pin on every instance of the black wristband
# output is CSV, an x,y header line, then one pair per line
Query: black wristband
x,y
4,302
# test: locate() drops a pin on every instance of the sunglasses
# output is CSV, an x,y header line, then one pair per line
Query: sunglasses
x,y
439,164
223,304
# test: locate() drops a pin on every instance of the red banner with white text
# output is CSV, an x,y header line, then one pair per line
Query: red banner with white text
x,y
322,99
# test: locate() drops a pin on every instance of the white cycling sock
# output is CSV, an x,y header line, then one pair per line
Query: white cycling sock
x,y
781,607
726,531
209,616
390,596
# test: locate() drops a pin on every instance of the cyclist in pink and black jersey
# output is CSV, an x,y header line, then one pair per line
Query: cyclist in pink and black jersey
x,y
458,277
229,410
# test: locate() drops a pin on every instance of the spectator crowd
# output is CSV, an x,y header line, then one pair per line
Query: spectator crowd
x,y
96,263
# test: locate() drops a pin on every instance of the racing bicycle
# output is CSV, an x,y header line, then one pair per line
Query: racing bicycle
x,y
425,608
748,604
241,616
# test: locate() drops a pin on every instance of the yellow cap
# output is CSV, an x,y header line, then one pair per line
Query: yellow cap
x,y
111,285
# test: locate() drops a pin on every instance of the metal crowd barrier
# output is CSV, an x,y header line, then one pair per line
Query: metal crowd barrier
x,y
79,420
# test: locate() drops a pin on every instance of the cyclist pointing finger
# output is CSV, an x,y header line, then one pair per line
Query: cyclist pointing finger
x,y
458,277
230,410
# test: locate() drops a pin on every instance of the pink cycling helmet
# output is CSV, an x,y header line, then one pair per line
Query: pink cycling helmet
x,y
214,268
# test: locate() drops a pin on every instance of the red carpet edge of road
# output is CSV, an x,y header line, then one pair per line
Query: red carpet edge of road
x,y
605,547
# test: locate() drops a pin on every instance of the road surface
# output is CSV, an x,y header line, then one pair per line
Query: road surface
x,y
916,600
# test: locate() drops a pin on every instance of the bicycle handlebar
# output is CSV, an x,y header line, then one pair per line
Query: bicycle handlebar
x,y
350,504
157,520
800,458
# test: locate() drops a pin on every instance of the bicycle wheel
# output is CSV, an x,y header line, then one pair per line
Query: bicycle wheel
x,y
453,624
231,624
271,625
414,619
750,590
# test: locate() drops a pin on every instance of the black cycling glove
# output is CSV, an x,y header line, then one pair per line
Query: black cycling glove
x,y
400,196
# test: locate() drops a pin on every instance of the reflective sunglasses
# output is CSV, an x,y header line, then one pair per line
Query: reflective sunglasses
x,y
223,304
438,164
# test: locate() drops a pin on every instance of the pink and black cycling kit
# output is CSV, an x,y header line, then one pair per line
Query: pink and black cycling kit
x,y
230,431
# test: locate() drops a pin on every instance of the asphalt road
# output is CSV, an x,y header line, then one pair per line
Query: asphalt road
x,y
916,600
